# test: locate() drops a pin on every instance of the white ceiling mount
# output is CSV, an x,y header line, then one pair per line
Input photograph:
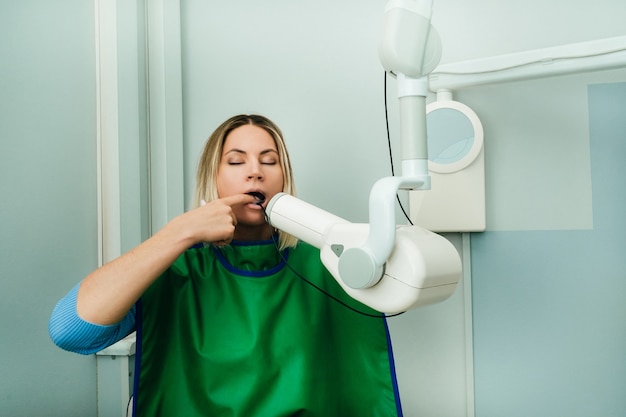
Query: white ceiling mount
x,y
598,55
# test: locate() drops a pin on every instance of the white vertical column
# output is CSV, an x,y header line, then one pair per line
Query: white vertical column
x,y
107,131
165,111
122,174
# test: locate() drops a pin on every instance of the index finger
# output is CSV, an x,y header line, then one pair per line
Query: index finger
x,y
237,199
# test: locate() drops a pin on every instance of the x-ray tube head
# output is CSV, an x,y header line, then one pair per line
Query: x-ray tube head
x,y
300,219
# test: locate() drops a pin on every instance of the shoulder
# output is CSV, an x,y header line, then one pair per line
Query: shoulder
x,y
304,257
305,248
305,252
188,265
191,259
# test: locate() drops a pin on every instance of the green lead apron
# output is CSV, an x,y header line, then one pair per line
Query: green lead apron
x,y
234,332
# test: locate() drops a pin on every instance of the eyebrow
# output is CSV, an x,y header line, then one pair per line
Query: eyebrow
x,y
241,151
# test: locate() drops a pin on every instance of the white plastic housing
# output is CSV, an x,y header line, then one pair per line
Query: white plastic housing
x,y
456,201
423,268
408,43
301,219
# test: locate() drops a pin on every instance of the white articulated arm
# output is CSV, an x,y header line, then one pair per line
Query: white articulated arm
x,y
362,267
387,267
422,267
404,51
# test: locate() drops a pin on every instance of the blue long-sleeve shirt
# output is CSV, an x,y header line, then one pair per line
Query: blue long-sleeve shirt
x,y
72,333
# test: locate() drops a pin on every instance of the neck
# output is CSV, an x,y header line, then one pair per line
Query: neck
x,y
252,233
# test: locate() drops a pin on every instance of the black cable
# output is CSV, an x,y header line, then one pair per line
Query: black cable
x,y
282,257
389,146
387,125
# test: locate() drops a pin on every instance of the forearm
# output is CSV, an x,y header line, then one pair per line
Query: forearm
x,y
108,293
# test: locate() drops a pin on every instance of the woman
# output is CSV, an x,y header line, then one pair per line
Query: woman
x,y
226,324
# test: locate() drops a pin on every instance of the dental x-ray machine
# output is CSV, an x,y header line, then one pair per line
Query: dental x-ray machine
x,y
387,267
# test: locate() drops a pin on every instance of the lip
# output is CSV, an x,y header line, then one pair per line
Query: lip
x,y
259,195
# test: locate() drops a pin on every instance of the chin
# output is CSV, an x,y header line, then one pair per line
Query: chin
x,y
256,218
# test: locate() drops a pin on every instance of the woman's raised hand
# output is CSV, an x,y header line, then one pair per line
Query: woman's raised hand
x,y
215,221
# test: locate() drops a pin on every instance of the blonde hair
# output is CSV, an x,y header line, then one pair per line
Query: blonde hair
x,y
206,177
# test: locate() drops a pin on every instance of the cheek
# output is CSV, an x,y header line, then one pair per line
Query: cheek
x,y
278,181
223,183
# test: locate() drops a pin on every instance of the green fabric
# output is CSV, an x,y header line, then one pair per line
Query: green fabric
x,y
216,342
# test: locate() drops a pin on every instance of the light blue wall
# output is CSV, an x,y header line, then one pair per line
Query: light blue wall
x,y
307,67
549,311
48,237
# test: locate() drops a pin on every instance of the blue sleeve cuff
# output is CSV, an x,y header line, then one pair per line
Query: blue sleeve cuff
x,y
70,332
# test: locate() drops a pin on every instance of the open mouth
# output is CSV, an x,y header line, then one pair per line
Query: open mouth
x,y
260,197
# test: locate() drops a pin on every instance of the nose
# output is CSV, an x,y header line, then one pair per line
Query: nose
x,y
255,172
